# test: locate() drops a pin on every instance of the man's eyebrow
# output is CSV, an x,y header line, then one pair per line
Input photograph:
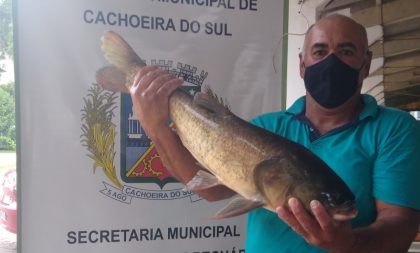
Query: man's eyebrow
x,y
347,45
319,45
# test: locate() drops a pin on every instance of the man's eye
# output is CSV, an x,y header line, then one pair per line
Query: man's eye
x,y
347,52
319,53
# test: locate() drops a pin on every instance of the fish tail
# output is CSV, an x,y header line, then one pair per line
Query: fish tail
x,y
119,53
124,63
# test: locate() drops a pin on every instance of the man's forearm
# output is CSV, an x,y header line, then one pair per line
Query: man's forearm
x,y
388,235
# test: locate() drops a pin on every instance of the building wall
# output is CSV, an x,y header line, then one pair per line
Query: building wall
x,y
301,16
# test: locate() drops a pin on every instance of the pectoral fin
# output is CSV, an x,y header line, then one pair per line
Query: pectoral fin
x,y
238,206
202,180
112,79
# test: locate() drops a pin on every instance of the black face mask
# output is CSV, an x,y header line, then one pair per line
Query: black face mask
x,y
331,82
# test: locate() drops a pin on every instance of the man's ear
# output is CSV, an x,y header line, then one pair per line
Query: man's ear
x,y
301,65
368,62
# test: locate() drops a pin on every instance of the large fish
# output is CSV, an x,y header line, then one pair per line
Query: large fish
x,y
265,169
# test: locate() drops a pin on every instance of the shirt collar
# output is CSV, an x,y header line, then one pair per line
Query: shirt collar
x,y
370,108
298,107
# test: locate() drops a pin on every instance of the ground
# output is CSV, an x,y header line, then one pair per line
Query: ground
x,y
7,239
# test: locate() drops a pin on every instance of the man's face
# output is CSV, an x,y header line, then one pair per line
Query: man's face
x,y
340,37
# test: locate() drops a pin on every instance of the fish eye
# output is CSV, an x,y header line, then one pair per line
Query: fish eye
x,y
331,199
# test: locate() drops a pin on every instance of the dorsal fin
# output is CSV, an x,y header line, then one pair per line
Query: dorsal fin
x,y
203,100
212,95
209,100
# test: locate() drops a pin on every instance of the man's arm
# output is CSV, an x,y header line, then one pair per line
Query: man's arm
x,y
150,95
393,230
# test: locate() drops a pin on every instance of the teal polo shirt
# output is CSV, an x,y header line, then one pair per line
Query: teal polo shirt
x,y
377,155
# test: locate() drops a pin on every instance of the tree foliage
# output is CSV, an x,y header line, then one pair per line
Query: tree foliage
x,y
7,117
7,92
6,29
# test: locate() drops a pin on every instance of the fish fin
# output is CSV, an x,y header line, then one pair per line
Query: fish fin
x,y
203,100
119,53
112,79
212,95
203,180
238,206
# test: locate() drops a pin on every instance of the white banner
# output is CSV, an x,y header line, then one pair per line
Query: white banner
x,y
76,195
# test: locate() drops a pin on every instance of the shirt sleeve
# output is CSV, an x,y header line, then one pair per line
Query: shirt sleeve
x,y
396,171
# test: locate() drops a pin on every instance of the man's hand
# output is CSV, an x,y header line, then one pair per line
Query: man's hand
x,y
321,229
150,95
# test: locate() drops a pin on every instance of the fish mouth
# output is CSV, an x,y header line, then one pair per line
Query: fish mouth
x,y
345,216
346,211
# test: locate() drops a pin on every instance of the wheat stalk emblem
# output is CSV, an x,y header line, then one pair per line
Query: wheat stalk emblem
x,y
98,131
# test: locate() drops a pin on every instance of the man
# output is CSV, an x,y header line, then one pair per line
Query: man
x,y
374,149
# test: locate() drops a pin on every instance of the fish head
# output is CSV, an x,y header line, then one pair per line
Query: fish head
x,y
279,178
325,185
340,205
329,190
338,201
